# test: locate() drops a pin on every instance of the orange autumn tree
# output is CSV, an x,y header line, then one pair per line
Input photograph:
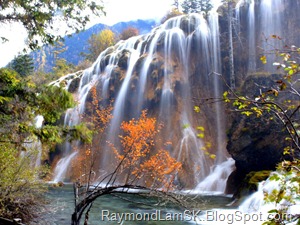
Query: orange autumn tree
x,y
101,116
97,120
138,167
136,161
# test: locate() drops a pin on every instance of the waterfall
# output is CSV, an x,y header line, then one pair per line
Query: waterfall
x,y
216,180
215,177
256,203
272,16
33,145
237,24
144,71
154,72
251,37
38,123
264,26
61,168
216,61
72,117
119,104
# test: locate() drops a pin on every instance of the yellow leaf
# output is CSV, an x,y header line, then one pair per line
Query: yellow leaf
x,y
200,128
212,156
200,135
263,59
197,109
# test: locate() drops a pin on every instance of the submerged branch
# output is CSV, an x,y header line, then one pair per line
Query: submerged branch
x,y
121,189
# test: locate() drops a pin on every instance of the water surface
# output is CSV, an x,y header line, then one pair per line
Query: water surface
x,y
134,209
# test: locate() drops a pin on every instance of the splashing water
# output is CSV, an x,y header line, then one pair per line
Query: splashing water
x,y
256,203
216,180
62,167
33,145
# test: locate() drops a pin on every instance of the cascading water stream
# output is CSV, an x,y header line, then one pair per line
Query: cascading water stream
x,y
256,202
119,104
216,180
161,58
270,25
262,30
145,68
33,145
72,117
190,147
62,167
175,44
38,123
190,144
251,37
216,71
216,177
237,18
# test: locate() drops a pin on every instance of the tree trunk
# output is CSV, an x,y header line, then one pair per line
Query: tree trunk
x,y
75,214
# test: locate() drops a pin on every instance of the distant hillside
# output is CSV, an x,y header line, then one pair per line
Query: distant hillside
x,y
77,43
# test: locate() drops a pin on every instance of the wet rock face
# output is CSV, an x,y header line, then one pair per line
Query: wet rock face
x,y
123,61
255,143
73,87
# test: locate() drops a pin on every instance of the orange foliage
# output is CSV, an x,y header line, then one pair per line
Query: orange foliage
x,y
137,142
128,33
160,168
101,115
135,159
84,163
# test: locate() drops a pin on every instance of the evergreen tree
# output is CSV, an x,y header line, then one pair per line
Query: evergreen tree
x,y
23,64
196,6
205,5
186,6
176,4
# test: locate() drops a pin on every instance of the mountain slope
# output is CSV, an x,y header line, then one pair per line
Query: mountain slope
x,y
78,43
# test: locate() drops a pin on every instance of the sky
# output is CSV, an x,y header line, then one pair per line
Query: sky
x,y
116,11
121,10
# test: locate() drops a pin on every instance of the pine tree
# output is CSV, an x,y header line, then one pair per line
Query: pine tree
x,y
23,64
196,6
205,6
176,4
186,6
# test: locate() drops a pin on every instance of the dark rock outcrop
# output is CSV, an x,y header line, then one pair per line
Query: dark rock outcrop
x,y
255,143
